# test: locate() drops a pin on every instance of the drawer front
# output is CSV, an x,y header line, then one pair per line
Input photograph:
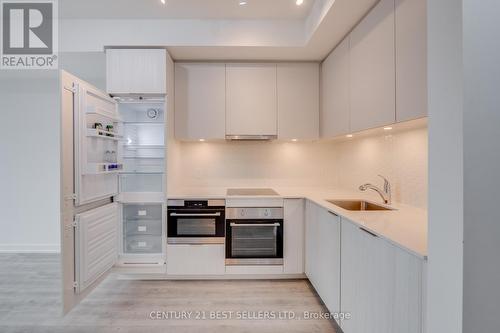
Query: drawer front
x,y
142,212
143,227
206,259
142,244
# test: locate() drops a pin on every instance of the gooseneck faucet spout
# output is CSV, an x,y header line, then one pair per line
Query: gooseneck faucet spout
x,y
385,194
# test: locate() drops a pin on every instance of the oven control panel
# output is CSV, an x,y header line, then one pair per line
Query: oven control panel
x,y
246,213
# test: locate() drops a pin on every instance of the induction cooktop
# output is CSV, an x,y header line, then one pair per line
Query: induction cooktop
x,y
251,191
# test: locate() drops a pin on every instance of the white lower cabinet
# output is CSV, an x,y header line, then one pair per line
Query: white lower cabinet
x,y
381,284
322,230
293,242
199,259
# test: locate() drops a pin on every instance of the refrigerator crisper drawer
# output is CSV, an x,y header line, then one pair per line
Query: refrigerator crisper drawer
x,y
141,183
143,244
138,212
143,227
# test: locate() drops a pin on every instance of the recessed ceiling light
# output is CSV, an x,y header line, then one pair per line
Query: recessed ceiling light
x,y
163,1
299,2
388,128
349,136
243,2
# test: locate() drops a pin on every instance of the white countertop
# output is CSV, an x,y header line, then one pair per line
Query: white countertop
x,y
405,227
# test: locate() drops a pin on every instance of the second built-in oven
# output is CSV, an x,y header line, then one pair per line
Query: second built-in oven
x,y
195,221
254,236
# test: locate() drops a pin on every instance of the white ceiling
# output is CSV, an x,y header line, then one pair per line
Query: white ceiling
x,y
183,9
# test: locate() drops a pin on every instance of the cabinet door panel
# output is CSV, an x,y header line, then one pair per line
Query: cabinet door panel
x,y
323,254
293,236
335,104
328,239
372,69
251,99
96,244
298,101
136,71
381,284
200,101
411,59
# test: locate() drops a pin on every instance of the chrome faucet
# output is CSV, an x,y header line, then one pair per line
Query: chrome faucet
x,y
385,194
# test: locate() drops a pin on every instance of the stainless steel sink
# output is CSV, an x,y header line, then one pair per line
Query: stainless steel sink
x,y
358,205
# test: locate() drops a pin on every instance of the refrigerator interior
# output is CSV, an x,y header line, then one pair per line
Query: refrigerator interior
x,y
141,181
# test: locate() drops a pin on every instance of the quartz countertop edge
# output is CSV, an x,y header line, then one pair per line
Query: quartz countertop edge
x,y
405,227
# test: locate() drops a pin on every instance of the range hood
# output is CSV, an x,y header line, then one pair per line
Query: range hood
x,y
251,137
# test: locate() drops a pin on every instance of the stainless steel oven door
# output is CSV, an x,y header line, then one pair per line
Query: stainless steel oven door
x,y
194,224
194,227
255,243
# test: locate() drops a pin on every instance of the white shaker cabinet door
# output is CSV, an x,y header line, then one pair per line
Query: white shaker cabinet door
x,y
372,69
411,59
298,101
200,101
251,99
335,105
136,71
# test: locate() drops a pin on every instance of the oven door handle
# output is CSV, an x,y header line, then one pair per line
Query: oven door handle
x,y
255,225
196,214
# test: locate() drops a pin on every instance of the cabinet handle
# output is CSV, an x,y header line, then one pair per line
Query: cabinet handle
x,y
368,232
334,214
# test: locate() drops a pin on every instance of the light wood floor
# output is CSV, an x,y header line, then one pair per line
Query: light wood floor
x,y
30,302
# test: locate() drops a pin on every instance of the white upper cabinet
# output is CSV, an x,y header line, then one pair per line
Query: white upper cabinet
x,y
251,99
200,101
372,69
298,101
136,71
335,109
411,59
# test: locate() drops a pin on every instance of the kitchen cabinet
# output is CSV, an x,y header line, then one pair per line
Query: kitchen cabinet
x,y
196,259
251,99
381,284
200,101
372,69
411,59
293,244
335,104
298,101
136,71
323,254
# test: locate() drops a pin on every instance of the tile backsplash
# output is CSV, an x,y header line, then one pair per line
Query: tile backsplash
x,y
401,157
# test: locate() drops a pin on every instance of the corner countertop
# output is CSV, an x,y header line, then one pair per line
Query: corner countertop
x,y
405,227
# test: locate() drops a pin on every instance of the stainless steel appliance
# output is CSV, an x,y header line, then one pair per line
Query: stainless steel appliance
x,y
254,236
196,221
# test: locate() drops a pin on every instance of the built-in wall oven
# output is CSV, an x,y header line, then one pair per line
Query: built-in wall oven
x,y
254,236
196,221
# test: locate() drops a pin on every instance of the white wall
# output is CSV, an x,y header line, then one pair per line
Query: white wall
x,y
401,157
29,167
481,165
444,308
29,152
